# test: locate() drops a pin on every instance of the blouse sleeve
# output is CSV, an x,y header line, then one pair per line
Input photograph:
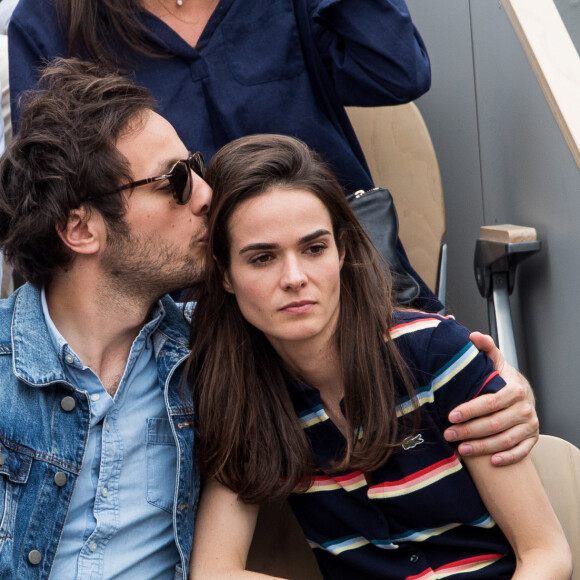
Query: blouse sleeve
x,y
33,40
372,50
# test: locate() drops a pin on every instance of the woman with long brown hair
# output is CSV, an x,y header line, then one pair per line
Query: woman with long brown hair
x,y
310,384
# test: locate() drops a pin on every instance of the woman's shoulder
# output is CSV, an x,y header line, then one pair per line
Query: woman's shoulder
x,y
407,322
422,335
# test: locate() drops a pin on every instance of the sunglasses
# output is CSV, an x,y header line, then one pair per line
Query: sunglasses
x,y
179,177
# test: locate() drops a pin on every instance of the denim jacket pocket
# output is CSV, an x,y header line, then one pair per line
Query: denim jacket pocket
x,y
15,468
161,463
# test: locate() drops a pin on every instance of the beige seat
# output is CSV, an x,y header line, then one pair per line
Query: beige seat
x,y
401,157
279,547
558,464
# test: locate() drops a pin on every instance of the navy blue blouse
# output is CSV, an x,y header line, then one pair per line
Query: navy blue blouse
x,y
248,75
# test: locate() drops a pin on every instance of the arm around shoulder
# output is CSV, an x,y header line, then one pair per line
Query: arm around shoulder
x,y
503,423
223,533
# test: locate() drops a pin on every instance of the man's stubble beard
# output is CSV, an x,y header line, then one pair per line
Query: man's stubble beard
x,y
147,268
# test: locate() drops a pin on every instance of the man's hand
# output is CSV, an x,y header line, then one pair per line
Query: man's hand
x,y
504,423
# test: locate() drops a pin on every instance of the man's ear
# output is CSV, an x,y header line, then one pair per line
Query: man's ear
x,y
82,232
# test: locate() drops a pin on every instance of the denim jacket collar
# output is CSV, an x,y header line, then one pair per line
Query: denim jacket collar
x,y
35,360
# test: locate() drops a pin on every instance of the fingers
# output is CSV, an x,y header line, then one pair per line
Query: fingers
x,y
498,447
502,440
485,343
490,403
515,454
520,414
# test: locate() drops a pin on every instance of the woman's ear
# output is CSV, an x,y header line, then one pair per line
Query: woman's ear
x,y
82,232
226,278
227,285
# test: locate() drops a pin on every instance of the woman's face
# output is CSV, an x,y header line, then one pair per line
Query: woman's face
x,y
285,267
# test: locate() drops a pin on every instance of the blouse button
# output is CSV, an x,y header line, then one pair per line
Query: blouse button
x,y
414,559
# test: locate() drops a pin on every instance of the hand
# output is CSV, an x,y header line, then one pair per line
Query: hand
x,y
504,423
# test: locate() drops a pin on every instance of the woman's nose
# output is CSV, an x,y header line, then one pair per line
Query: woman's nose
x,y
293,275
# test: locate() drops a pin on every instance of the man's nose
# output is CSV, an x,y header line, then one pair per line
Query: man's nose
x,y
201,197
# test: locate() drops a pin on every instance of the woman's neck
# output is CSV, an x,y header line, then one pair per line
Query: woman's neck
x,y
187,19
317,365
321,369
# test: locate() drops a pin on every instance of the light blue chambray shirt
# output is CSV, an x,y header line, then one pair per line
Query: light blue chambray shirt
x,y
119,523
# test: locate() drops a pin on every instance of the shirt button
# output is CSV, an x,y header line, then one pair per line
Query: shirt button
x,y
69,358
94,547
60,478
95,397
34,557
414,559
68,404
2,458
105,492
107,426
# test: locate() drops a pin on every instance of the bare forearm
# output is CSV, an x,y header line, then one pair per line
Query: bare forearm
x,y
223,534
202,574
543,565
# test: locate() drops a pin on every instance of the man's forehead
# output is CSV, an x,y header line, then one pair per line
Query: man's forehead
x,y
150,143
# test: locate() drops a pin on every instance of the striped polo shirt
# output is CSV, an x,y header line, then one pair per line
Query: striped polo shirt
x,y
418,517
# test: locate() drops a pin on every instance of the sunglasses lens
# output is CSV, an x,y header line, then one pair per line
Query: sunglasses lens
x,y
181,181
198,164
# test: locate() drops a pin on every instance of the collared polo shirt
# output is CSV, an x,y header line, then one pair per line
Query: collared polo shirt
x,y
419,516
119,522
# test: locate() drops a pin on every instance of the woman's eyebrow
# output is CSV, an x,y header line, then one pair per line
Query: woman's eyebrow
x,y
258,246
313,236
274,246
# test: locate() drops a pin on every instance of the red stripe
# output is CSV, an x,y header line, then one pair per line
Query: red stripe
x,y
473,560
457,564
494,374
417,321
349,476
417,474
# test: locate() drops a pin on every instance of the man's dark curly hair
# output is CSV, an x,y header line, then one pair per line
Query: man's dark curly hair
x,y
63,154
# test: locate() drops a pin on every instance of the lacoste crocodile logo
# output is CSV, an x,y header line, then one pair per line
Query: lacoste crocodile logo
x,y
411,442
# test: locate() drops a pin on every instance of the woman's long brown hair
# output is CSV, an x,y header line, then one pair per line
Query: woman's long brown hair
x,y
110,32
250,437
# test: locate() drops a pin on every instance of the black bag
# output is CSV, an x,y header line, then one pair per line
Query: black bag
x,y
376,212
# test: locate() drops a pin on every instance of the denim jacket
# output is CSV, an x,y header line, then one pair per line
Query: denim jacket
x,y
44,424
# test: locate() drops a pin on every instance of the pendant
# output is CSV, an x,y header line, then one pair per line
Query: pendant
x,y
180,2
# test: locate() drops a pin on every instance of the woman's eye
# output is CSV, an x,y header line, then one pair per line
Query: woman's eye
x,y
261,259
316,249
